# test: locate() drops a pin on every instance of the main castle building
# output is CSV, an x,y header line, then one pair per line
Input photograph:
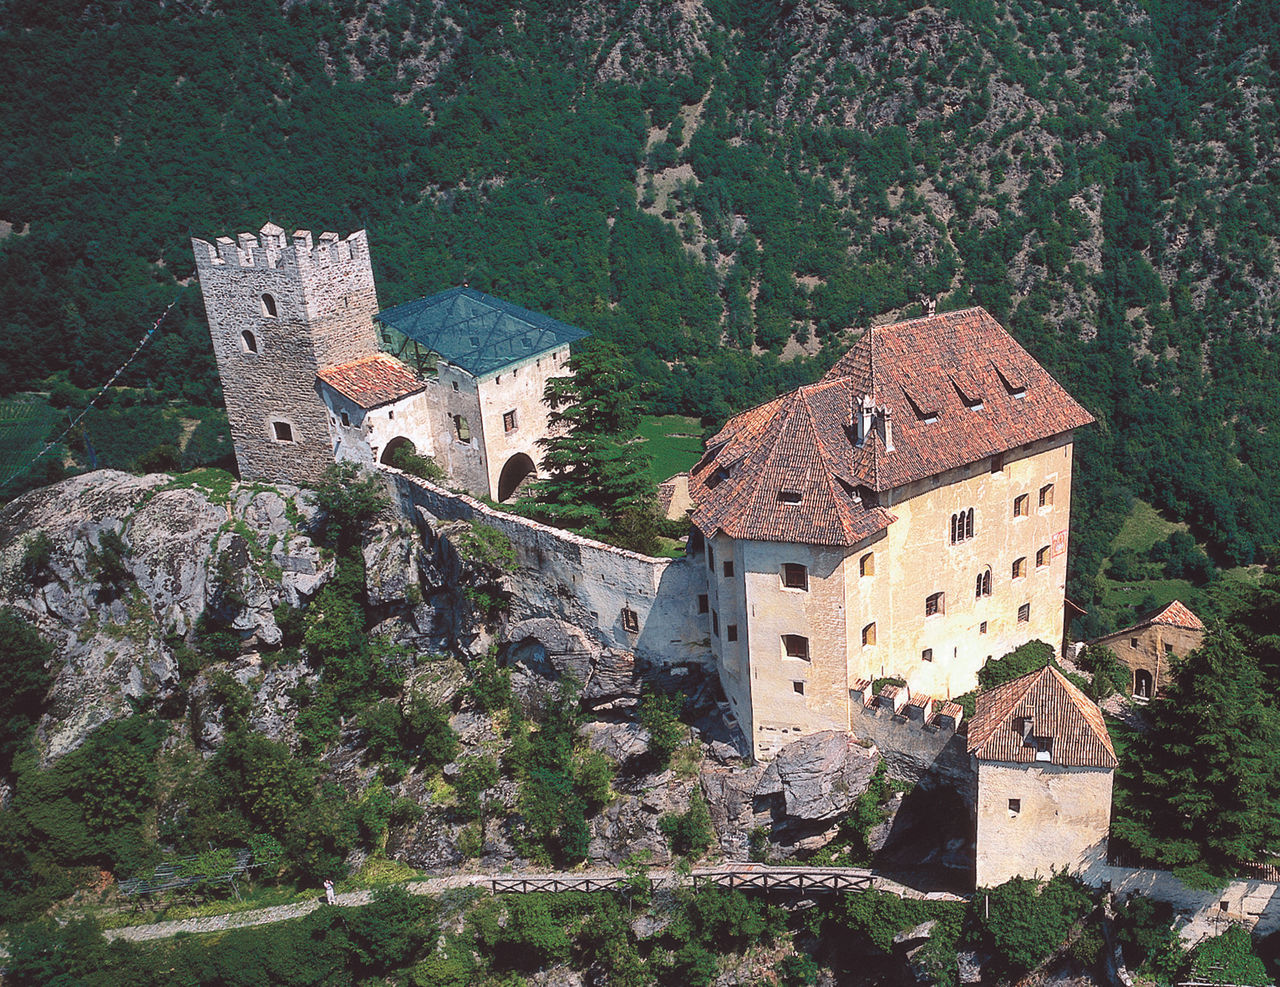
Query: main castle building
x,y
906,516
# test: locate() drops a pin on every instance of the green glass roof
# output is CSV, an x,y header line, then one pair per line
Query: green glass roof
x,y
472,330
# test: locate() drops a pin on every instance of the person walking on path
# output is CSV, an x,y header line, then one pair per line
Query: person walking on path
x,y
329,896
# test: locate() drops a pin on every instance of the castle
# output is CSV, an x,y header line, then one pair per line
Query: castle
x,y
904,517
312,372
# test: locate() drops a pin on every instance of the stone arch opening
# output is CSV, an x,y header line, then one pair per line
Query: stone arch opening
x,y
1143,684
518,470
393,449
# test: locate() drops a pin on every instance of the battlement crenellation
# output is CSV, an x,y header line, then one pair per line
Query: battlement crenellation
x,y
272,249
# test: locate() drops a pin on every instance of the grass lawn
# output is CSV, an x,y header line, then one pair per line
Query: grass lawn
x,y
1117,594
25,421
673,442
1143,528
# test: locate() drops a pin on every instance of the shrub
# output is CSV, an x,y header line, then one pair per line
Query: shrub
x,y
1025,924
424,467
1228,959
659,714
37,555
107,561
593,777
490,686
348,499
1023,660
690,833
24,681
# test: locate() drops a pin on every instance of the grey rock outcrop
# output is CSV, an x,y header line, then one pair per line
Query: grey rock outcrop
x,y
543,650
113,641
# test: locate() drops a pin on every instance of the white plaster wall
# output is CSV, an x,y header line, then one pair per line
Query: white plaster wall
x,y
1062,824
1200,912
919,559
766,610
366,436
517,388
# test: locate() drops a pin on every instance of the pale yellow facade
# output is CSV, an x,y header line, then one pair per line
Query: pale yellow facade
x,y
1037,819
864,612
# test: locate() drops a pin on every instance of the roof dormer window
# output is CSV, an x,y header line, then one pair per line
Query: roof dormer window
x,y
789,496
1043,746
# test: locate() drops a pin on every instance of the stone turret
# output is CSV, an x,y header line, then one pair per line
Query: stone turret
x,y
281,308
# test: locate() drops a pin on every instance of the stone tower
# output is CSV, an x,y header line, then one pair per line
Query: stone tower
x,y
280,309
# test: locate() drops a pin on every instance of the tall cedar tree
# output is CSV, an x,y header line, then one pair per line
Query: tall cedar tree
x,y
597,479
1204,781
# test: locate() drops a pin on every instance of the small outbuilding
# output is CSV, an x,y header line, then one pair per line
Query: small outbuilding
x,y
1044,765
1147,646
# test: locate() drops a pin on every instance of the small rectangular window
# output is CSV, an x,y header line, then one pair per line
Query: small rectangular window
x,y
869,634
867,564
1021,505
1024,613
461,429
997,463
797,688
346,419
1168,649
704,604
789,496
715,623
926,654
282,431
1046,495
934,603
630,619
731,632
728,570
982,628
1042,557
1133,642
711,558
795,576
795,646
1019,567
1044,748
1015,806
508,421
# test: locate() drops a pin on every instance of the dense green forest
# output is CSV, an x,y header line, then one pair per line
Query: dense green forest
x,y
726,190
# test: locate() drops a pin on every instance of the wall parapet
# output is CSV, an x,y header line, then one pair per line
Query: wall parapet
x,y
272,250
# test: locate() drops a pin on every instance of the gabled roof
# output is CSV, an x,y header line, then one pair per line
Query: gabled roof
x,y
958,389
1057,710
779,473
372,380
477,332
1176,614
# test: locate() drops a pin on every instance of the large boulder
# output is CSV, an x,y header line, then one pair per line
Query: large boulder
x,y
543,650
820,776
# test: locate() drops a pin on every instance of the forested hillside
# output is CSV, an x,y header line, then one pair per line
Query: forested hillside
x,y
729,190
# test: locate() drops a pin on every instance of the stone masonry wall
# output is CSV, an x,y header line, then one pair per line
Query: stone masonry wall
x,y
584,582
324,301
923,754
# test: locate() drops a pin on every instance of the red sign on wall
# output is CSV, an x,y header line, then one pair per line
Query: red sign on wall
x,y
1059,543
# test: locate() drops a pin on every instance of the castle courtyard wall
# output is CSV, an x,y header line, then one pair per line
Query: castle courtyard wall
x,y
582,581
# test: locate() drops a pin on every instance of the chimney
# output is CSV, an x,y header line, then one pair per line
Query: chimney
x,y
864,419
886,427
930,304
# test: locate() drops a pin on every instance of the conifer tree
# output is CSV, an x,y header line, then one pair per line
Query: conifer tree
x,y
596,478
1205,779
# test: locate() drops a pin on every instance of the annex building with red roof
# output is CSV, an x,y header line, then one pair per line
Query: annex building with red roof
x,y
906,515
1044,766
1146,647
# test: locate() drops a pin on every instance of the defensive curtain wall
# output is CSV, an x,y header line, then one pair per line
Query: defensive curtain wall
x,y
634,602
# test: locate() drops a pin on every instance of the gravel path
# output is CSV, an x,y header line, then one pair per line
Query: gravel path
x,y
435,885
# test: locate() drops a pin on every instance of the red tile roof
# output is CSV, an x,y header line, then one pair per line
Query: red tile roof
x,y
1177,614
1057,709
372,380
950,384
